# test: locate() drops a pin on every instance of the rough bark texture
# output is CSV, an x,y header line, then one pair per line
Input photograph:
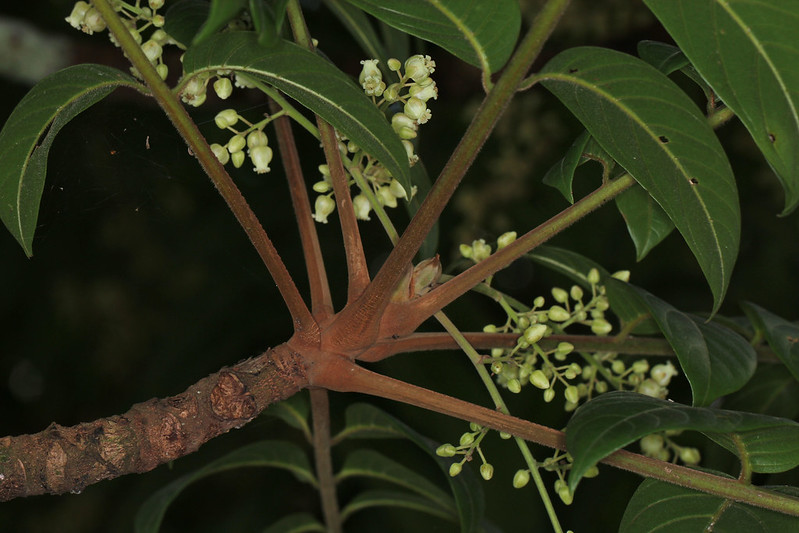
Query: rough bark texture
x,y
67,459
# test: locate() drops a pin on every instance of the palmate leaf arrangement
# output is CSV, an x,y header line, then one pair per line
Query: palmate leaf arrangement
x,y
662,162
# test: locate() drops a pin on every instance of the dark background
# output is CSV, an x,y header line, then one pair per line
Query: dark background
x,y
142,282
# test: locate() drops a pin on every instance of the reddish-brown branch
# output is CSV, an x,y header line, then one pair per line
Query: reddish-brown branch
x,y
321,302
357,270
68,459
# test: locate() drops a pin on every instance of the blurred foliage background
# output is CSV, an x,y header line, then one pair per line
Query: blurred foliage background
x,y
142,283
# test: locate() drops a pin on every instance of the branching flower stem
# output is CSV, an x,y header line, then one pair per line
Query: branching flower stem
x,y
304,324
500,405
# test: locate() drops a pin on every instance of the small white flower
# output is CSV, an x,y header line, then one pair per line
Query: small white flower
x,y
362,207
261,156
323,207
419,67
75,18
404,126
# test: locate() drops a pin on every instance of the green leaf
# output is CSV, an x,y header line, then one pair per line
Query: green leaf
x,y
666,58
715,359
614,420
220,13
624,302
369,463
561,175
184,18
391,498
646,221
360,27
651,128
771,391
782,336
29,133
294,411
481,33
275,454
747,51
296,523
313,82
264,23
666,508
367,421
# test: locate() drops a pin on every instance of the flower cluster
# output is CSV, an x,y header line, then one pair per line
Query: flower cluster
x,y
410,94
468,444
252,137
138,19
661,446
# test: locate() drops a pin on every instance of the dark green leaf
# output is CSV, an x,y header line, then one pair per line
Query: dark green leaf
x,y
667,58
624,303
747,51
481,33
667,508
391,498
561,175
220,13
293,411
275,454
369,463
771,391
613,420
314,83
715,359
367,421
24,146
360,27
184,18
646,221
296,523
782,336
650,127
264,23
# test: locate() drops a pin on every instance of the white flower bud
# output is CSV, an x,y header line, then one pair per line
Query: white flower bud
x,y
412,157
539,379
75,18
152,50
558,314
663,373
323,206
419,67
370,69
162,70
93,21
397,189
385,197
481,250
593,276
221,153
361,205
535,333
404,126
600,326
424,92
623,275
236,144
391,93
261,156
158,21
223,88
257,138
505,239
237,158
155,4
521,478
321,186
417,110
394,64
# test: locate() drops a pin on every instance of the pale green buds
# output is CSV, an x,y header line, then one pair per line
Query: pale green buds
x,y
535,333
455,469
496,367
466,251
651,444
361,205
539,379
650,387
226,118
155,4
505,239
564,348
158,21
600,326
425,276
397,189
521,478
391,94
78,14
385,197
641,366
237,158
321,186
221,153
618,366
549,395
563,491
623,275
576,292
539,301
417,110
424,91
489,328
236,144
591,472
572,394
323,207
593,276
370,78
394,64
404,126
558,314
261,156
223,88
514,386
162,70
690,456
560,295
446,450
481,250
486,471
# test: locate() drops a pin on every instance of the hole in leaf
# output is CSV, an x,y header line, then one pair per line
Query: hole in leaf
x,y
573,70
771,137
663,139
693,181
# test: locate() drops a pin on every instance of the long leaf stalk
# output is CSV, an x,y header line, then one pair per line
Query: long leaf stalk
x,y
320,413
304,323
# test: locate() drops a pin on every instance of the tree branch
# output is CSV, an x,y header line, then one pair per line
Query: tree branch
x,y
68,459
